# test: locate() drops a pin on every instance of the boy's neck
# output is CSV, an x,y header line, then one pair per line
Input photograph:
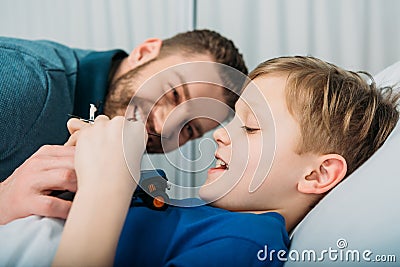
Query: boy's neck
x,y
293,213
291,220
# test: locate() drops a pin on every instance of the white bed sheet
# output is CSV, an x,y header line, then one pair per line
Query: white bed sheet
x,y
30,241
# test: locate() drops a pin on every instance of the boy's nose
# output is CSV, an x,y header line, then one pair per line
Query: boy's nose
x,y
221,136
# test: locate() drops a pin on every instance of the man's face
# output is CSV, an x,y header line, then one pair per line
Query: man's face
x,y
259,147
171,103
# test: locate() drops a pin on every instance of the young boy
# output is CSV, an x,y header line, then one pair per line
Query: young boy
x,y
300,128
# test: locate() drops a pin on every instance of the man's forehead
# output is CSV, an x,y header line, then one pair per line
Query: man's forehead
x,y
201,89
198,70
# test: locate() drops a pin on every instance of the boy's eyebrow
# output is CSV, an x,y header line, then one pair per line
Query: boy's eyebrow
x,y
248,106
254,105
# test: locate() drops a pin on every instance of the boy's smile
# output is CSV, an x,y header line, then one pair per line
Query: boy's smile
x,y
220,165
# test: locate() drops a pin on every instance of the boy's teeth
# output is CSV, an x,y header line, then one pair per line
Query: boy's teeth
x,y
221,163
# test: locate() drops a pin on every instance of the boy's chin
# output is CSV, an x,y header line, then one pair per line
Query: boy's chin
x,y
221,202
211,194
203,194
207,194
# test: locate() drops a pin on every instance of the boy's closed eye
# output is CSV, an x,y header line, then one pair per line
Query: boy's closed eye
x,y
250,130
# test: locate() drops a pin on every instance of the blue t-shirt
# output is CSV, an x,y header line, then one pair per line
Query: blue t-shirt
x,y
200,236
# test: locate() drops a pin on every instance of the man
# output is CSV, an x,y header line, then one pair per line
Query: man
x,y
42,82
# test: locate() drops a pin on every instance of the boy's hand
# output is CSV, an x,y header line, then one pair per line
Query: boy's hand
x,y
105,189
99,154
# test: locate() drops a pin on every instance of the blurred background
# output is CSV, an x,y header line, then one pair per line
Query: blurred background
x,y
354,34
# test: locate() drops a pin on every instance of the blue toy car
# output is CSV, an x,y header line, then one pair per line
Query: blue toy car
x,y
152,189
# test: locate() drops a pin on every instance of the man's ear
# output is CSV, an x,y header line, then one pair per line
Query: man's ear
x,y
330,170
144,52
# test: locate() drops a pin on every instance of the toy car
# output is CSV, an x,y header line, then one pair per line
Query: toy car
x,y
152,189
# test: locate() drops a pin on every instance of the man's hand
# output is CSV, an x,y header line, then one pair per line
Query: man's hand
x,y
26,191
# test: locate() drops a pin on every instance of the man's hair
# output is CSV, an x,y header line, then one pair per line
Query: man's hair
x,y
337,110
221,49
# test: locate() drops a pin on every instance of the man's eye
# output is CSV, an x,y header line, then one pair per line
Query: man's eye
x,y
249,129
189,131
175,95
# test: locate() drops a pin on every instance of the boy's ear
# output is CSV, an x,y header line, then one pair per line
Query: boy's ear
x,y
330,171
144,52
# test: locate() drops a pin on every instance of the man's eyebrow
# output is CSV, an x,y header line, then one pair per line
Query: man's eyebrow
x,y
184,86
186,93
199,129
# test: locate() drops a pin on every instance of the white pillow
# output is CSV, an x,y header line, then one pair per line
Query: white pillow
x,y
389,77
361,215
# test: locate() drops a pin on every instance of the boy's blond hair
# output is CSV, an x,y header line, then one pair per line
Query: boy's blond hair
x,y
337,110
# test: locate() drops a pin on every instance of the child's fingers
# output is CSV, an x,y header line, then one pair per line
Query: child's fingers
x,y
101,118
136,128
72,139
135,139
74,125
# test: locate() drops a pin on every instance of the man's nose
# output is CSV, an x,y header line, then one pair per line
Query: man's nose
x,y
166,120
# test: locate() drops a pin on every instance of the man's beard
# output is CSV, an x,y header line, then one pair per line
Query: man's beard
x,y
120,95
121,91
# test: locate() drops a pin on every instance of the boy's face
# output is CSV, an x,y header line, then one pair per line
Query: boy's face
x,y
259,148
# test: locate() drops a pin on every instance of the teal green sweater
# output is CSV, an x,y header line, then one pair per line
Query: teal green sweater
x,y
40,83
